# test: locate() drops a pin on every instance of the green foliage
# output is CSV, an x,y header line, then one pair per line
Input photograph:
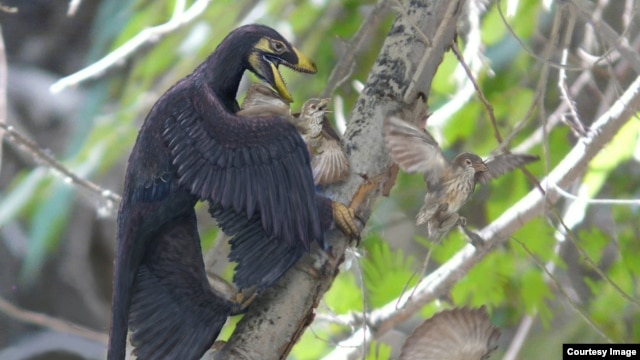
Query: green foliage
x,y
312,344
345,295
508,280
485,284
386,272
378,351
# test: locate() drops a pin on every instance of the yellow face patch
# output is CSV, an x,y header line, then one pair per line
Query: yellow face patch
x,y
276,48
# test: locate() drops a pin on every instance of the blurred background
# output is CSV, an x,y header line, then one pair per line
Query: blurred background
x,y
57,238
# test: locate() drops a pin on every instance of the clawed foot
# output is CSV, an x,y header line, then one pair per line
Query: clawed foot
x,y
239,299
442,208
242,300
474,238
344,217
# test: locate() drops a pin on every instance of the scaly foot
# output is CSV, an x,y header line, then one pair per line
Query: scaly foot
x,y
344,217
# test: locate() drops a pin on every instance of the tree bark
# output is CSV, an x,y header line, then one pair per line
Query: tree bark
x,y
399,82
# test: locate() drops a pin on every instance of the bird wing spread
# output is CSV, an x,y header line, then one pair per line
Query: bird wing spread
x,y
330,165
414,149
252,165
503,163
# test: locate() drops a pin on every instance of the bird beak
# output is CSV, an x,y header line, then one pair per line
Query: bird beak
x,y
322,104
304,64
480,167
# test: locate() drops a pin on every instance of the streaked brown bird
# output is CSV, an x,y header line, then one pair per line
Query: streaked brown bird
x,y
458,334
329,160
450,185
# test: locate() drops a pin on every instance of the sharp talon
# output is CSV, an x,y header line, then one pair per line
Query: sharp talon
x,y
242,300
474,238
343,217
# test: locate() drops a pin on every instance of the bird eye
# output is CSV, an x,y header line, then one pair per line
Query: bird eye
x,y
467,162
277,46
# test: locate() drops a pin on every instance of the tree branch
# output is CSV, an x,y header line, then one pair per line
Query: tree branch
x,y
499,231
399,81
179,18
49,322
3,90
45,158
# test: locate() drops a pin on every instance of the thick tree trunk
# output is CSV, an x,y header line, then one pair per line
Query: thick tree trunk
x,y
398,82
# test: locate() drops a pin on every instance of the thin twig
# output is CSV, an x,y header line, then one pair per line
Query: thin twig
x,y
147,36
526,49
575,123
345,65
496,233
73,7
611,37
568,234
483,99
597,201
49,322
473,53
43,157
575,306
8,9
3,90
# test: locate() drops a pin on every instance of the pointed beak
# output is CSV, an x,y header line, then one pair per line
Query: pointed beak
x,y
480,167
304,65
322,104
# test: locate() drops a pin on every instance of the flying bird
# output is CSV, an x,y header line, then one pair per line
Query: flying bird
x,y
254,173
458,334
328,157
449,185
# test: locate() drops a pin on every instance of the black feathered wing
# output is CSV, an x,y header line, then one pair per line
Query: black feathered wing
x,y
251,165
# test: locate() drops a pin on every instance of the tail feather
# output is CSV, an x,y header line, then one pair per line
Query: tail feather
x,y
166,324
174,313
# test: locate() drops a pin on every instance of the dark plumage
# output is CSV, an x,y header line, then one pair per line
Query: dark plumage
x,y
254,173
329,160
449,185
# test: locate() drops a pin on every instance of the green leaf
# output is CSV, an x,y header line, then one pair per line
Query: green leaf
x,y
378,351
44,232
593,241
386,272
344,295
617,151
311,345
486,283
21,194
534,292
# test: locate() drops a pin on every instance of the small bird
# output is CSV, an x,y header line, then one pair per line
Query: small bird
x,y
457,334
329,160
261,100
450,185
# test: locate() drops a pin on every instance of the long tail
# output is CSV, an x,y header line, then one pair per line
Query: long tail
x,y
174,313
